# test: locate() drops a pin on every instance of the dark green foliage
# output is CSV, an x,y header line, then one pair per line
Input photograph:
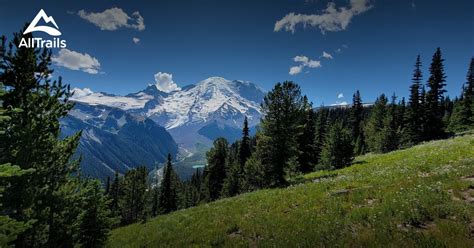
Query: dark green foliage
x,y
338,150
389,135
434,112
278,149
168,198
355,122
94,221
413,131
234,169
216,168
307,156
114,194
320,133
254,174
133,201
191,190
32,141
244,150
375,124
462,116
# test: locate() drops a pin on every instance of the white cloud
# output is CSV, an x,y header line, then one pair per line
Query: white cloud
x,y
331,19
113,19
136,40
303,62
78,93
326,55
164,82
77,61
296,70
340,95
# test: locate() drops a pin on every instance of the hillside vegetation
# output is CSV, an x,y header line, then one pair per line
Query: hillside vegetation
x,y
422,196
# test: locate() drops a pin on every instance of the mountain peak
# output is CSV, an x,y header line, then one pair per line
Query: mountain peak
x,y
214,80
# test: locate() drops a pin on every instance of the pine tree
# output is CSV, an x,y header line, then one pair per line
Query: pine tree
x,y
244,151
95,221
216,173
412,133
32,141
307,157
434,110
375,124
107,185
462,116
168,199
279,130
469,93
338,148
9,228
320,133
134,189
234,171
389,137
115,193
355,121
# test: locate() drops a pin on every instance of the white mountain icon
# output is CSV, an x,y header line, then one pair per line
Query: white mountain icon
x,y
49,30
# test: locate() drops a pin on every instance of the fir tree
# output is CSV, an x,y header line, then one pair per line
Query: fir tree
x,y
168,199
434,110
279,130
375,124
320,133
355,121
115,192
338,149
32,141
134,189
414,115
107,185
389,134
462,116
95,221
244,151
307,157
216,173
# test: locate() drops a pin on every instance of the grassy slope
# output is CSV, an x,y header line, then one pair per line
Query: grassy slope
x,y
413,197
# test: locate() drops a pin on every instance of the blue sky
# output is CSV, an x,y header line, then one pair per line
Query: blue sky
x,y
373,49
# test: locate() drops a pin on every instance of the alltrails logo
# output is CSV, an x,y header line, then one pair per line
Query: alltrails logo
x,y
40,42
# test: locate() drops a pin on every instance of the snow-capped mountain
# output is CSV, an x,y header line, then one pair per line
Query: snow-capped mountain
x,y
113,140
185,112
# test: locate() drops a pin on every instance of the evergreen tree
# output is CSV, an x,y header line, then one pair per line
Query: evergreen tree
x,y
389,134
375,124
32,141
355,121
279,130
9,228
95,221
244,151
469,93
216,168
413,133
115,193
320,133
134,189
462,117
234,171
307,156
434,110
338,150
168,199
107,185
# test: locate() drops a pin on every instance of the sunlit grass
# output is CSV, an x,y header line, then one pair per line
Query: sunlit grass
x,y
414,197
